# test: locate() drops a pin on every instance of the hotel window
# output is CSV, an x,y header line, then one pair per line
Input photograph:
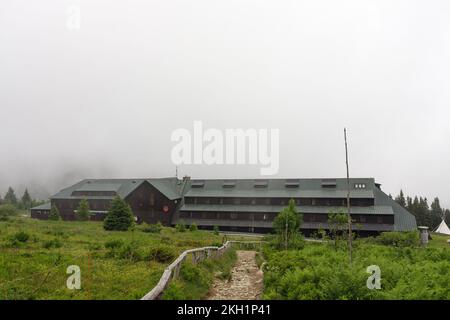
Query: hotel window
x,y
360,185
265,217
233,215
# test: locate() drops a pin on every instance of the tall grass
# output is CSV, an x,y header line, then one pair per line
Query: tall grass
x,y
34,256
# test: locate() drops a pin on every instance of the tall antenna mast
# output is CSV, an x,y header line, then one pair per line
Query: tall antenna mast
x,y
176,172
350,235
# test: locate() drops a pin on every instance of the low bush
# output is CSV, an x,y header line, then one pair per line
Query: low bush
x,y
195,280
55,243
114,244
319,272
399,239
130,251
152,228
161,253
193,227
180,227
20,236
6,211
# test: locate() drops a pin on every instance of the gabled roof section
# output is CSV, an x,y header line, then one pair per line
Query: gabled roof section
x,y
403,219
122,187
45,206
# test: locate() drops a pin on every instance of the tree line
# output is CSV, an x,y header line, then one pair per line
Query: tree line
x,y
23,203
426,215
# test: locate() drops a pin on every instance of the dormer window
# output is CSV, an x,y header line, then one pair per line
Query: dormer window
x,y
292,183
329,183
198,184
360,185
229,184
260,183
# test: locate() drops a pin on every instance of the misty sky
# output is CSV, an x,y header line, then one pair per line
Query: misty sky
x,y
103,100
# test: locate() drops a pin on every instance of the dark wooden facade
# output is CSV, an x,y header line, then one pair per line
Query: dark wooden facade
x,y
147,203
151,206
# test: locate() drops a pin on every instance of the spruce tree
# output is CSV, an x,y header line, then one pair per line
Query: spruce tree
x,y
10,197
400,199
54,214
409,203
436,213
119,217
83,213
447,216
26,200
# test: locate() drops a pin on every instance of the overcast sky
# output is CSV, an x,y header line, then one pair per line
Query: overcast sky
x,y
103,100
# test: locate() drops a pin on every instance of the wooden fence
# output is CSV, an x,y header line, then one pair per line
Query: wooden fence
x,y
197,255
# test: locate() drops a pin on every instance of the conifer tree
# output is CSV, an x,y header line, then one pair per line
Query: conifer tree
x,y
436,213
54,213
119,217
400,199
10,197
26,200
83,213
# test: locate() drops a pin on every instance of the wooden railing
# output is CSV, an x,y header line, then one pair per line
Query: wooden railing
x,y
197,255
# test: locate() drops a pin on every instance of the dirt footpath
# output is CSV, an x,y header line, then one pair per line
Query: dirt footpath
x,y
246,281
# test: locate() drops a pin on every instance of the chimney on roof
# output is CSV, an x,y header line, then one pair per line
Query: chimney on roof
x,y
186,180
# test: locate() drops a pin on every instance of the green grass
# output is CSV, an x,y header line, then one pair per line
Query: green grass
x,y
319,272
195,281
36,268
439,240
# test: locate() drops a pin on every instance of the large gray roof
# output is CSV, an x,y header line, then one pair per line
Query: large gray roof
x,y
307,188
123,187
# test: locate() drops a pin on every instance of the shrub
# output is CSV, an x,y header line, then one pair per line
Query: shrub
x,y
180,227
6,211
193,227
114,244
174,291
161,253
130,251
216,230
54,214
287,224
399,239
120,217
55,243
153,228
83,213
20,236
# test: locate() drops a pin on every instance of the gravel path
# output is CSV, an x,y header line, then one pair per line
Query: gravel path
x,y
246,281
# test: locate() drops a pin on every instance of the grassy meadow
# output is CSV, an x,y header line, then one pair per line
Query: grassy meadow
x,y
319,271
34,256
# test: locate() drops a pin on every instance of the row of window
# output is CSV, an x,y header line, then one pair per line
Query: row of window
x,y
334,202
307,217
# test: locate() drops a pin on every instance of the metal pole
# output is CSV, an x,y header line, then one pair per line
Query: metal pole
x,y
348,199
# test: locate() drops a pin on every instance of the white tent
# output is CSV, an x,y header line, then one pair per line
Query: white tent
x,y
443,228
